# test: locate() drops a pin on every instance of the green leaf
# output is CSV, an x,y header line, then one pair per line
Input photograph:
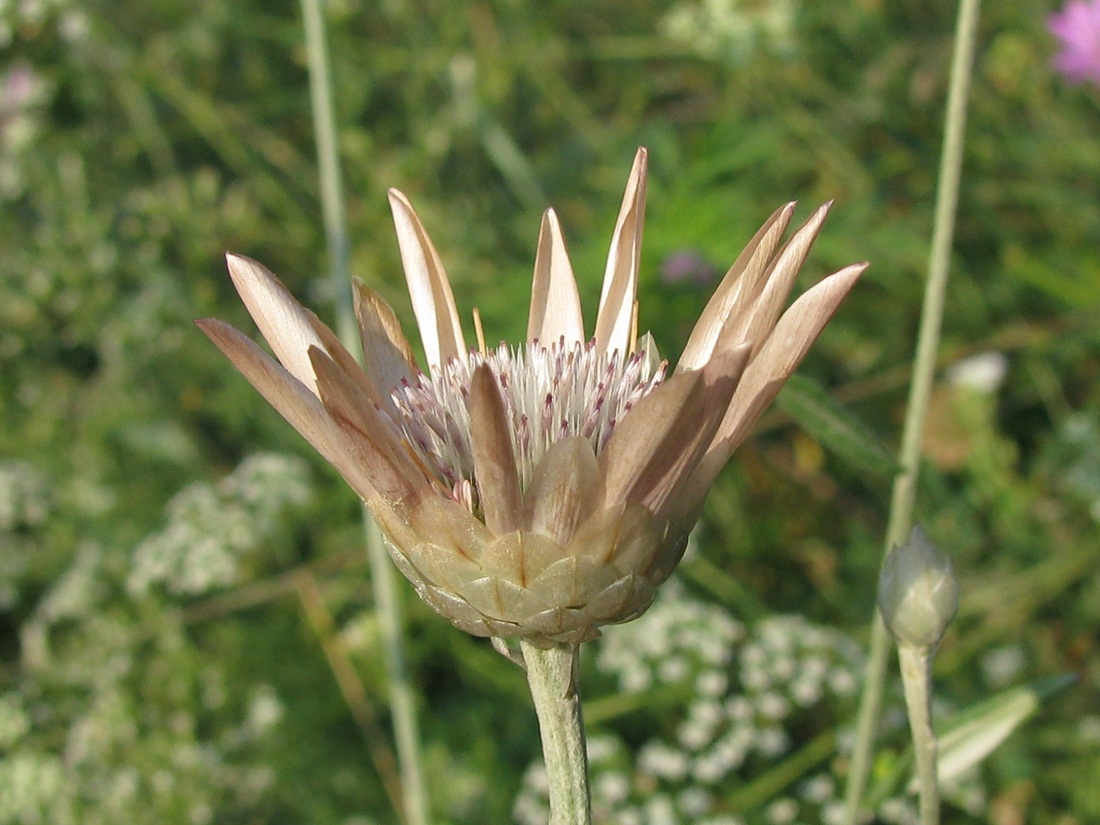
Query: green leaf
x,y
835,426
969,737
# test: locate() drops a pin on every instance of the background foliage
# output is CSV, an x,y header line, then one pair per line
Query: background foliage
x,y
184,610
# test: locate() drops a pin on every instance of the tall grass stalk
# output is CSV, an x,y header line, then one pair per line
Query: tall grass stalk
x,y
401,696
905,484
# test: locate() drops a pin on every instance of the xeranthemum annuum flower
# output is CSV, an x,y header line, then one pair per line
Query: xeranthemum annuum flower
x,y
546,489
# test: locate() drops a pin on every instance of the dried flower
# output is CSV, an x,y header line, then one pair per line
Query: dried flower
x,y
547,489
1077,27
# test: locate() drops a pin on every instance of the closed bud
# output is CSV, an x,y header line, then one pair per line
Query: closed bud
x,y
918,593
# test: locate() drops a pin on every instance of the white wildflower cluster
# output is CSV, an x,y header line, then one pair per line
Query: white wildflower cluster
x,y
75,592
752,691
33,15
39,787
22,93
25,504
97,739
111,712
732,29
30,783
24,497
678,638
14,721
213,528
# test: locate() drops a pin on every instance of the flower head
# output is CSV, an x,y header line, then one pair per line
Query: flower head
x,y
545,489
1077,27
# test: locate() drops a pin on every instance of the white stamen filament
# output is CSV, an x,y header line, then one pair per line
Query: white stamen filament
x,y
549,393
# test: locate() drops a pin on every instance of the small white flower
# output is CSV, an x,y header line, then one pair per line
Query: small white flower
x,y
773,706
694,802
1088,729
1002,665
818,789
782,812
983,373
658,759
612,788
806,691
712,684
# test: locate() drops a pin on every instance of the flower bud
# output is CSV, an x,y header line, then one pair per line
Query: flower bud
x,y
918,593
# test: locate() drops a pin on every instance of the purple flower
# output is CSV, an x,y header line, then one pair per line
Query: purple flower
x,y
687,266
1077,28
17,87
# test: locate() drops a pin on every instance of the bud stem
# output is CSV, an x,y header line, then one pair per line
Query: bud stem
x,y
552,676
916,677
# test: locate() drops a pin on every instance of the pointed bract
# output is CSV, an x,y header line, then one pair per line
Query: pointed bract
x,y
387,356
494,458
294,401
429,288
555,303
614,323
283,322
739,282
334,349
781,354
755,320
659,426
564,491
375,446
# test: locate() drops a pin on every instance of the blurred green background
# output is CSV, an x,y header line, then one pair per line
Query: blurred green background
x,y
181,577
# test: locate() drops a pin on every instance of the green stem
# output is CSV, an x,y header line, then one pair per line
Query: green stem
x,y
905,485
328,165
916,678
870,704
552,676
401,697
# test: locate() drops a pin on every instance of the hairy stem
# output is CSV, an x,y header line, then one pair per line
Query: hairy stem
x,y
552,676
905,485
916,678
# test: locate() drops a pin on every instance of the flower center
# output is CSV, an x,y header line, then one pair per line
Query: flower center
x,y
549,393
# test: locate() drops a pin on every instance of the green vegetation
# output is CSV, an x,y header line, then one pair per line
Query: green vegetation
x,y
186,624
